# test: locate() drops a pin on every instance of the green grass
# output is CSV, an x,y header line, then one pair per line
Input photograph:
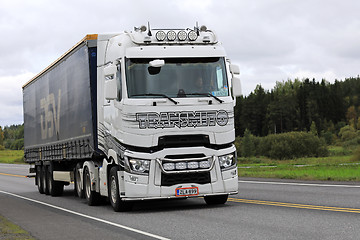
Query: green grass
x,y
330,173
11,156
11,231
339,166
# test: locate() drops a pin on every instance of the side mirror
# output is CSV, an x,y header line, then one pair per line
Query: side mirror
x,y
234,69
110,72
110,89
110,82
236,87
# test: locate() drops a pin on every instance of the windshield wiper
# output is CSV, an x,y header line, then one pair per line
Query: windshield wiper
x,y
206,94
156,94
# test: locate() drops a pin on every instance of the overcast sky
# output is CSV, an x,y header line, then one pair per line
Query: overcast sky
x,y
270,40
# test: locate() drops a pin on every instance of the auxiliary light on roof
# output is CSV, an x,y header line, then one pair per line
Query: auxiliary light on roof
x,y
192,35
182,35
171,35
160,35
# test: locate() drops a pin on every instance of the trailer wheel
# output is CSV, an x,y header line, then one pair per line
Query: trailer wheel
x,y
44,179
55,188
92,197
39,182
79,191
218,199
117,203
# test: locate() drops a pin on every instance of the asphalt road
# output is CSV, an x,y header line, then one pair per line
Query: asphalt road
x,y
262,210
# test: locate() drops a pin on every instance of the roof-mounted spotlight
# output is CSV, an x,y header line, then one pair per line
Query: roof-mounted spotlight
x,y
160,35
171,35
192,35
182,35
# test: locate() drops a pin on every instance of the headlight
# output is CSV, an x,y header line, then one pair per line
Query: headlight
x,y
227,161
139,165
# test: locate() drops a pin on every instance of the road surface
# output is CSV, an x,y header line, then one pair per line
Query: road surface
x,y
263,209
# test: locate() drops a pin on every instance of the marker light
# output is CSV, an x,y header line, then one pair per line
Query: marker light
x,y
182,35
160,35
171,35
192,35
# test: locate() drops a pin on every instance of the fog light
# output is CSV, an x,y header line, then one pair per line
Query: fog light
x,y
169,166
204,164
193,165
180,165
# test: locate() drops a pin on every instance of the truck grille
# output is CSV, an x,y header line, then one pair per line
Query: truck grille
x,y
179,178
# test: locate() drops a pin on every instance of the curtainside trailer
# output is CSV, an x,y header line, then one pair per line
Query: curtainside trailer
x,y
146,114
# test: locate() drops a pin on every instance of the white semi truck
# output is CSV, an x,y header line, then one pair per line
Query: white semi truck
x,y
147,114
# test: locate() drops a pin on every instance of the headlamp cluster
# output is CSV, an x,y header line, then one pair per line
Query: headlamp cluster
x,y
171,35
140,166
227,161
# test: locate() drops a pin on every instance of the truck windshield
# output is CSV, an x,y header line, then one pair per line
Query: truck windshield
x,y
178,77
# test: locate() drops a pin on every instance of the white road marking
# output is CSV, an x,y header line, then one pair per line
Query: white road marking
x,y
301,184
87,216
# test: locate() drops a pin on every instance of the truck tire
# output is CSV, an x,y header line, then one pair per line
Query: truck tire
x,y
79,191
40,183
117,203
44,179
218,199
92,197
55,188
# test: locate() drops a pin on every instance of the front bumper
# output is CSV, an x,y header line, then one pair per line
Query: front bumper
x,y
147,187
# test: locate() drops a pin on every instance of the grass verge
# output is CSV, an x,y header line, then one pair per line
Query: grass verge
x,y
339,166
11,156
316,172
10,231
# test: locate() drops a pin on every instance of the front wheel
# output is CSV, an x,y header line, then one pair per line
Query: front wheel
x,y
115,200
218,199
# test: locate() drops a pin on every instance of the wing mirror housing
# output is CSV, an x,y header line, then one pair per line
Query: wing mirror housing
x,y
110,82
235,80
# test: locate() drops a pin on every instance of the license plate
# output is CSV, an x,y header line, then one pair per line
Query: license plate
x,y
190,191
